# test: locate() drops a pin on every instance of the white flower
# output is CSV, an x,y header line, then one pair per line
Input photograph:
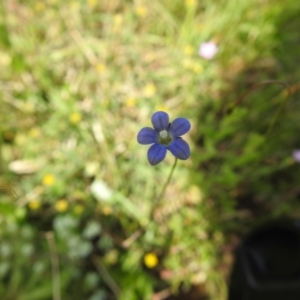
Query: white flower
x,y
296,155
208,50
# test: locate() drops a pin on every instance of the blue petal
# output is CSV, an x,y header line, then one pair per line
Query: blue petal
x,y
156,154
179,127
180,149
147,136
160,121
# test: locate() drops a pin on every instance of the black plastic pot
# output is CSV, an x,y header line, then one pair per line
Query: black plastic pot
x,y
267,264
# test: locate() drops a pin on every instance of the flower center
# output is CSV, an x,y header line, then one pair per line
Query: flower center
x,y
164,137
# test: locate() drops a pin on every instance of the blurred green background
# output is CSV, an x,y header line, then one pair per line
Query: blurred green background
x,y
78,80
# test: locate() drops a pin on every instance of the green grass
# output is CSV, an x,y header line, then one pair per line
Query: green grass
x,y
78,80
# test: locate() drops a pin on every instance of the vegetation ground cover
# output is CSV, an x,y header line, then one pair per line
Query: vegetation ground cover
x,y
78,80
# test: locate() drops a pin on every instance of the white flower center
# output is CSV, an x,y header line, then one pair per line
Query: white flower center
x,y
163,134
165,138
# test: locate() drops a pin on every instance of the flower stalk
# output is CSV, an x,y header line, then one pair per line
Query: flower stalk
x,y
163,190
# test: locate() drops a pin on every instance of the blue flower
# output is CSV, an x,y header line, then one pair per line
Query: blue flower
x,y
165,136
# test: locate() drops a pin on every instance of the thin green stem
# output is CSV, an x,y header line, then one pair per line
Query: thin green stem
x,y
1,155
256,86
278,112
107,278
167,182
54,265
161,194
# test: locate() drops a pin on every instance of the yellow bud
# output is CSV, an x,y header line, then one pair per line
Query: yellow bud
x,y
118,19
106,210
101,68
111,257
92,3
40,6
34,132
141,11
48,180
188,50
130,102
151,260
190,3
75,117
149,90
34,204
61,205
197,68
161,108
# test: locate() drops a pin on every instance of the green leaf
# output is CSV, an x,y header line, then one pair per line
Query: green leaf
x,y
18,63
4,37
6,208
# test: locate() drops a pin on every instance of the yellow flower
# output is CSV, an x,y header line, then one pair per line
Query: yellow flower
x,y
118,21
75,117
40,6
92,3
34,132
130,102
194,195
111,257
189,64
197,68
34,204
106,210
161,108
5,59
141,11
101,68
78,209
188,50
190,3
149,90
61,205
151,260
48,180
